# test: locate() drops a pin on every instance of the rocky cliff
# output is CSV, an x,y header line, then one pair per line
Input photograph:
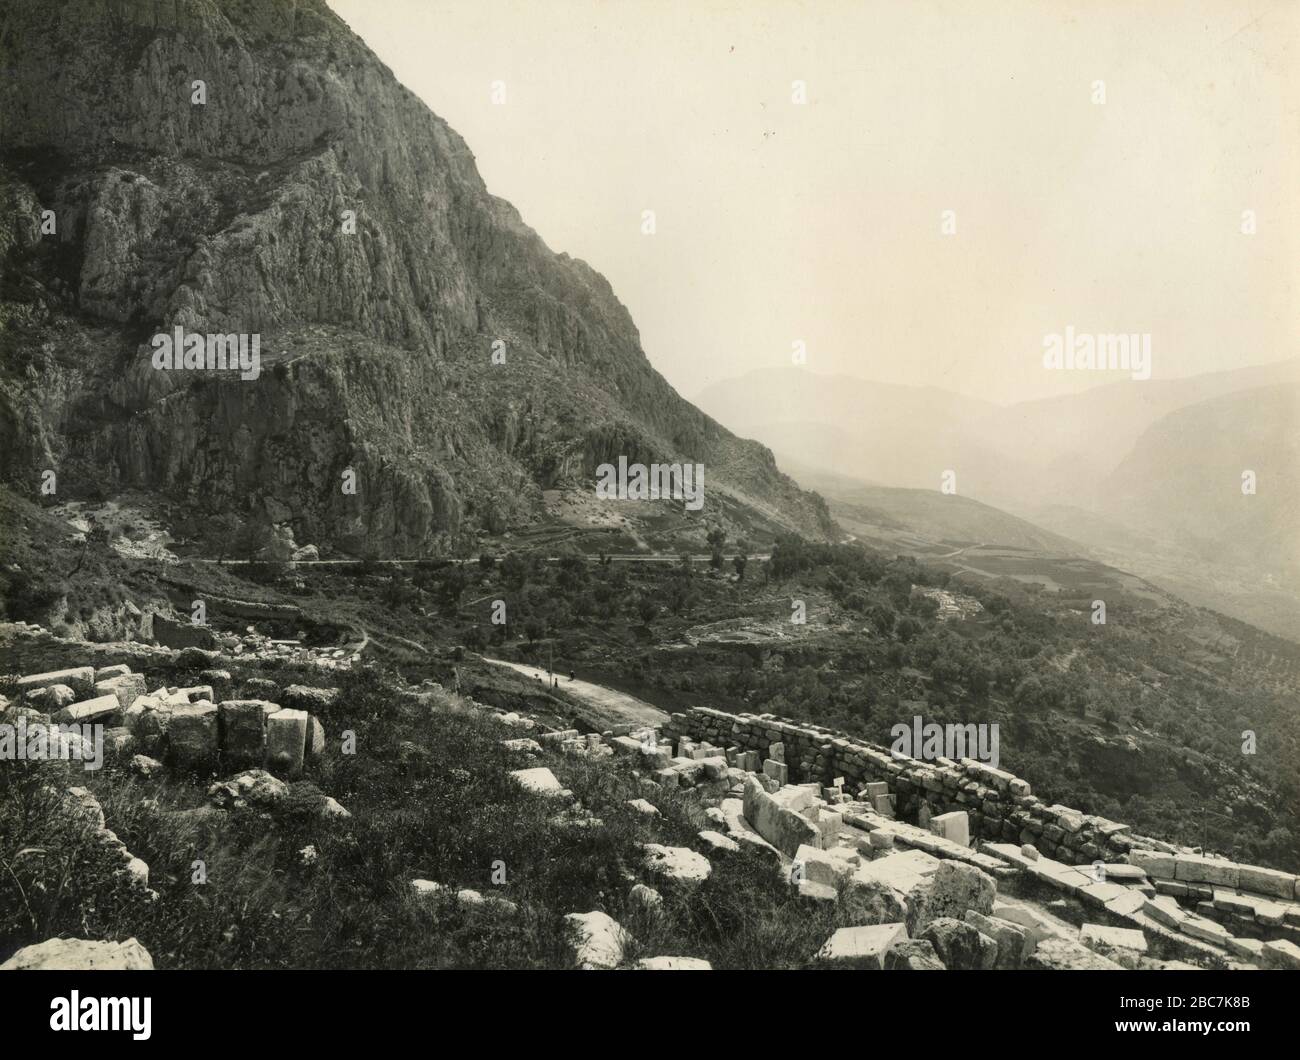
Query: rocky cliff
x,y
249,167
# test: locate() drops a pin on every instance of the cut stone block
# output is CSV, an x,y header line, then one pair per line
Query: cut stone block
x,y
1154,863
861,947
1266,881
126,687
1194,868
103,673
193,734
81,679
286,741
778,771
953,826
243,730
88,711
1107,940
818,866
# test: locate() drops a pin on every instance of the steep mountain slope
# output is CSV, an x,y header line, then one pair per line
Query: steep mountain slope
x,y
233,216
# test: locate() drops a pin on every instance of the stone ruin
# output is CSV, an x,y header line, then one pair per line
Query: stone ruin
x,y
191,728
953,890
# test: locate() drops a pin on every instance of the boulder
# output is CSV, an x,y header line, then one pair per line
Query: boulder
x,y
539,781
254,787
960,945
914,955
677,865
864,902
52,698
78,955
646,899
597,939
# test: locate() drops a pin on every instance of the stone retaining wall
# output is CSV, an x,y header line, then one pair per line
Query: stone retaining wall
x,y
1001,806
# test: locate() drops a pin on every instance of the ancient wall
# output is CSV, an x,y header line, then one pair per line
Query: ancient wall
x,y
1001,806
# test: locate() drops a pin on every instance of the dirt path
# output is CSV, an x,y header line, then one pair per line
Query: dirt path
x,y
605,704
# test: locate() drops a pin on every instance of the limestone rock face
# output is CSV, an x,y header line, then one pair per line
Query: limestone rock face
x,y
316,203
80,955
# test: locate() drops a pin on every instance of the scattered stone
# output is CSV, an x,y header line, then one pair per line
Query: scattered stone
x,y
719,843
960,945
1014,942
1061,954
539,781
678,865
1122,945
674,964
597,939
81,679
255,787
145,766
915,955
1281,953
866,902
646,899
861,947
644,806
78,955
954,888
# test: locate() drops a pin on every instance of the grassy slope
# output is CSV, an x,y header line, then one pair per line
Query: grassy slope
x,y
430,798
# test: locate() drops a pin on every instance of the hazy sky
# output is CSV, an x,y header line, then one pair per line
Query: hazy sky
x,y
821,222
